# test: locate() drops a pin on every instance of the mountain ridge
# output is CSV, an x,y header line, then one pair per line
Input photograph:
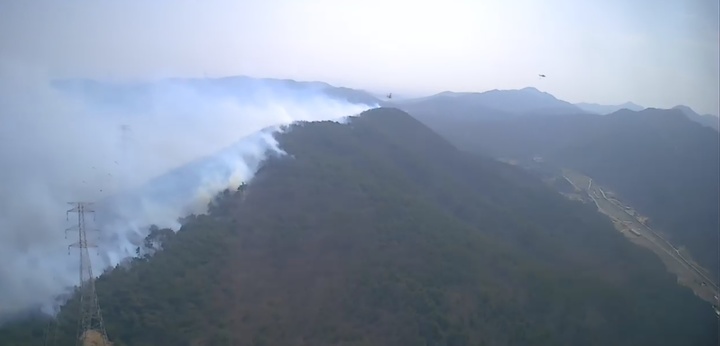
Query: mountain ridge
x,y
379,231
607,109
506,101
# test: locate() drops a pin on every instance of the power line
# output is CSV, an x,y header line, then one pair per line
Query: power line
x,y
90,322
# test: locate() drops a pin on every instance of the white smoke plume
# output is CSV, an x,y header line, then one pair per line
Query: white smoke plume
x,y
126,148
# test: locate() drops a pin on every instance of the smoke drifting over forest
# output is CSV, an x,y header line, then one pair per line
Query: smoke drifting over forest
x,y
147,153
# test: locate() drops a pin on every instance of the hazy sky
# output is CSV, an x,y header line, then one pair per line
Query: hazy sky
x,y
653,52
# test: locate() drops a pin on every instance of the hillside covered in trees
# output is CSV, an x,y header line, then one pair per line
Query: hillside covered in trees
x,y
657,161
380,232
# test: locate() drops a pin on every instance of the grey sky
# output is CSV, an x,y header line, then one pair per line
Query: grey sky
x,y
653,52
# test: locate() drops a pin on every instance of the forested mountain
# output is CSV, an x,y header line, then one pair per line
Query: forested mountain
x,y
659,161
380,232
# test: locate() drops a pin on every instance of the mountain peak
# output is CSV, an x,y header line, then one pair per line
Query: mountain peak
x,y
684,108
631,106
532,89
705,119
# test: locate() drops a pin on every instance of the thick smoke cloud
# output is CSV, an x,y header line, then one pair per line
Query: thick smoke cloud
x,y
146,153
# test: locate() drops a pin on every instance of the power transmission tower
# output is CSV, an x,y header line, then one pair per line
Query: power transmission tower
x,y
90,322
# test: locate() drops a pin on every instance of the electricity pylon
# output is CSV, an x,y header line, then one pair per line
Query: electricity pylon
x,y
90,322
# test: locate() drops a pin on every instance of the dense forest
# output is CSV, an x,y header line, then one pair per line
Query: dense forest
x,y
380,232
658,161
665,166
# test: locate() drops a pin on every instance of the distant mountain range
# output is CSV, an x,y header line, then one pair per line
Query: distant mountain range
x,y
488,104
704,119
503,104
664,162
607,109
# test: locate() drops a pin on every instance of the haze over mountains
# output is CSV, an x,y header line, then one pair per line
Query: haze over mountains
x,y
607,109
528,100
664,162
380,232
395,227
705,119
524,100
91,141
438,173
507,101
240,88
